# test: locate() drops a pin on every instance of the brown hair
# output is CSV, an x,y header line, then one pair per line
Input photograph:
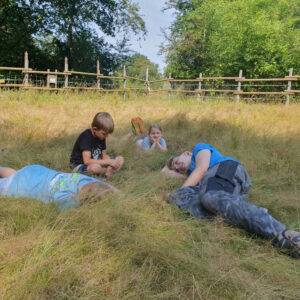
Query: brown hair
x,y
170,162
103,121
157,126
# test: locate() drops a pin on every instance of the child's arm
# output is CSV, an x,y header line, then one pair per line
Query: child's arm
x,y
162,144
171,173
88,160
104,155
5,172
202,164
153,146
116,163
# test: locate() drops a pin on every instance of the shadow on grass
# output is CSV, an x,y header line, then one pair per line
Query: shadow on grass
x,y
137,246
270,161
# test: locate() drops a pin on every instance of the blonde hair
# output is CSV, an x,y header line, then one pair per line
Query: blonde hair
x,y
157,126
94,191
103,121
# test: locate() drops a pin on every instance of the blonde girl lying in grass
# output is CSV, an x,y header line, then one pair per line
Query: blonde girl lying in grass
x,y
154,139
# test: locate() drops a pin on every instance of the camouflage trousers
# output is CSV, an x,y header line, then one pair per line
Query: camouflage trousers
x,y
230,203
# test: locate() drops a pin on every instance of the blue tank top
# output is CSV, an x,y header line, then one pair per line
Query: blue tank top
x,y
216,156
46,185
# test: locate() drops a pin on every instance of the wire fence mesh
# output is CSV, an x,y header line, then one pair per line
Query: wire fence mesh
x,y
272,89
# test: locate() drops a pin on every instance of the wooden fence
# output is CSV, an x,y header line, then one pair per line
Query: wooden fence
x,y
200,86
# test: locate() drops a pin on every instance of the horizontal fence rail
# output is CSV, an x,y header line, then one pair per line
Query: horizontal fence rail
x,y
27,78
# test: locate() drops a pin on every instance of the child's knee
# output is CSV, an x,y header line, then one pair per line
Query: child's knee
x,y
95,169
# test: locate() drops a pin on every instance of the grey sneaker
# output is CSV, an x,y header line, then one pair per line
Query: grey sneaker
x,y
289,239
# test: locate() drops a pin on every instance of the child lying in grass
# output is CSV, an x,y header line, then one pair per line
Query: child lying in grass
x,y
64,189
153,140
218,185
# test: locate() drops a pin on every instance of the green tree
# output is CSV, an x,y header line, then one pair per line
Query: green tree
x,y
219,37
137,64
73,20
52,29
18,24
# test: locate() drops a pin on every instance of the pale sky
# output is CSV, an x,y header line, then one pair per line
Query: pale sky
x,y
155,20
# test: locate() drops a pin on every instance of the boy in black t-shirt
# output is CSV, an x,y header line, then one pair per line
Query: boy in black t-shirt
x,y
89,152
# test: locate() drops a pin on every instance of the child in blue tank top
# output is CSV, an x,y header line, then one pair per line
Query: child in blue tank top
x,y
219,185
47,185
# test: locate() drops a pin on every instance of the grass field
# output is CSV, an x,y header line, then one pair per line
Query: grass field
x,y
136,246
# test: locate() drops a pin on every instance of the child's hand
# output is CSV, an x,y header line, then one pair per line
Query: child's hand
x,y
114,163
117,163
152,139
156,140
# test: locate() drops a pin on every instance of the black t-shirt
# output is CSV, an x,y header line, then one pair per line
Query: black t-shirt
x,y
87,142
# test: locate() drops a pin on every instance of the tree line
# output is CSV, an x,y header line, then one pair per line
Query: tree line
x,y
79,29
220,37
214,37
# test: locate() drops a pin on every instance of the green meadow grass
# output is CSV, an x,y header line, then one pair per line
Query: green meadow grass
x,y
136,245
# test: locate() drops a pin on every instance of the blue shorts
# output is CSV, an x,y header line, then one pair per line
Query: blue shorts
x,y
80,169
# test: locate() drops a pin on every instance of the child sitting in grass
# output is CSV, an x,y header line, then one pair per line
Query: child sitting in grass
x,y
89,152
49,186
153,140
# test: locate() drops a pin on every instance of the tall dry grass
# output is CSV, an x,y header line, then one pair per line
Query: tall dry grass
x,y
136,246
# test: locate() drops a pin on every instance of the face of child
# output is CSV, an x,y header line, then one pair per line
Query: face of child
x,y
99,133
155,134
182,162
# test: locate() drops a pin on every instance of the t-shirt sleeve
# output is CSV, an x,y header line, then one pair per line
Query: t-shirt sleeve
x,y
163,142
85,142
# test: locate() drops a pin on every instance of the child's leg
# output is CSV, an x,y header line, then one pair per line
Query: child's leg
x,y
95,170
5,172
120,160
110,171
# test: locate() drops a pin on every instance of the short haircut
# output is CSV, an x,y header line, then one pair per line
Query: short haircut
x,y
103,121
170,162
157,126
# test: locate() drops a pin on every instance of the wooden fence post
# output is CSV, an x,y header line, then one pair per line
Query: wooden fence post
x,y
66,70
26,66
55,79
239,87
169,94
289,87
124,81
147,81
98,74
48,79
199,88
